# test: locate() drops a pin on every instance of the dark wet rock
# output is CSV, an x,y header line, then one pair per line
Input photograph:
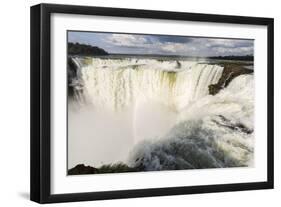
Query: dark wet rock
x,y
110,168
224,122
82,169
178,64
72,70
243,128
230,71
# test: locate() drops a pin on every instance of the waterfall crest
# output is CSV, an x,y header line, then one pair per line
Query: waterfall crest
x,y
116,84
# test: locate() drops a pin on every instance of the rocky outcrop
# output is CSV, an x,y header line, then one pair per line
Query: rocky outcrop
x,y
72,70
230,71
82,169
114,168
224,122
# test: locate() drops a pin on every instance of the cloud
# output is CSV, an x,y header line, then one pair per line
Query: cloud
x,y
164,44
152,44
126,40
228,43
171,47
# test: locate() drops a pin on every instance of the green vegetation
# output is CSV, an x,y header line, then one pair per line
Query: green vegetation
x,y
83,49
116,168
232,57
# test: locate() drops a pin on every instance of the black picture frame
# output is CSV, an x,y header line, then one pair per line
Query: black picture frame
x,y
40,184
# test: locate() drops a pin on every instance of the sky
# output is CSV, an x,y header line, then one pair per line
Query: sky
x,y
163,44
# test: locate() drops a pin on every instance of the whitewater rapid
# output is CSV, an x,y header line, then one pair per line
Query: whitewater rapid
x,y
158,115
215,132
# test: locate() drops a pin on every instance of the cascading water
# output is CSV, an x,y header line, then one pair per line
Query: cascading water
x,y
116,84
214,132
158,115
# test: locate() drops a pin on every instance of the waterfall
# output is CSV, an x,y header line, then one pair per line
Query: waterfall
x,y
116,84
158,114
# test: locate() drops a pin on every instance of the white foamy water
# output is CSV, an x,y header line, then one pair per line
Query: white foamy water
x,y
216,131
116,84
158,114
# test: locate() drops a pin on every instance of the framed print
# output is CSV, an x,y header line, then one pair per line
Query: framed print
x,y
133,103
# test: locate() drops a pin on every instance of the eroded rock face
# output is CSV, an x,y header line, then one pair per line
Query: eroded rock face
x,y
230,71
